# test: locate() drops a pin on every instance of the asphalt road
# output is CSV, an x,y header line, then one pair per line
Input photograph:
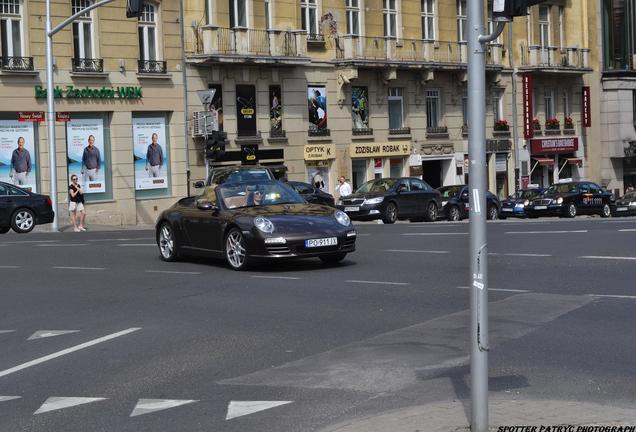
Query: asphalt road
x,y
98,334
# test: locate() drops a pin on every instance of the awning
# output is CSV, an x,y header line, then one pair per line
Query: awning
x,y
544,161
574,161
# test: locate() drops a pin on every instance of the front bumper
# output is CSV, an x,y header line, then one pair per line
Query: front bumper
x,y
513,211
549,210
623,210
365,212
294,245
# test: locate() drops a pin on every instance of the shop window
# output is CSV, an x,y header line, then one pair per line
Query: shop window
x,y
317,105
246,110
309,17
462,21
83,48
359,172
353,17
11,29
428,19
23,170
432,108
238,13
216,106
396,108
390,13
151,153
396,167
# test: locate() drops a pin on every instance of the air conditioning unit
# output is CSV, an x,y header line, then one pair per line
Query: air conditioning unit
x,y
203,123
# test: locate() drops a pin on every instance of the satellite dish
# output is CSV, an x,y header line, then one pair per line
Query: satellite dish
x,y
206,96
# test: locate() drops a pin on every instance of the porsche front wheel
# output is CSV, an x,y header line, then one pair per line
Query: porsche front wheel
x,y
235,250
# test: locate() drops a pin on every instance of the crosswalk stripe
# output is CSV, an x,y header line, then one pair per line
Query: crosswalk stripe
x,y
242,408
8,398
145,406
41,334
57,403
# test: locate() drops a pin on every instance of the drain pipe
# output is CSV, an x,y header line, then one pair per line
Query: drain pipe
x,y
185,96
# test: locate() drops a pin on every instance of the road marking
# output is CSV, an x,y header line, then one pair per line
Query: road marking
x,y
8,398
435,234
546,232
67,351
121,239
613,296
363,235
417,251
6,331
9,267
275,277
500,289
627,230
377,282
136,244
78,268
56,403
608,257
242,408
62,244
30,241
41,334
145,406
519,254
173,272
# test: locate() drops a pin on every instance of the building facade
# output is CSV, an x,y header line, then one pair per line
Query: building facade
x,y
118,80
369,88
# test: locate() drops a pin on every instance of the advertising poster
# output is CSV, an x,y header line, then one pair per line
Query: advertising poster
x,y
150,153
360,107
216,107
317,104
275,108
318,176
86,160
246,110
10,132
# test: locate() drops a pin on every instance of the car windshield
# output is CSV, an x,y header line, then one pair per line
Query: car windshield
x,y
561,188
525,194
378,185
241,175
630,196
252,194
450,191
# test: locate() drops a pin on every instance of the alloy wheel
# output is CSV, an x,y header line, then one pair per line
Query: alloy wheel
x,y
234,249
606,211
390,213
453,214
432,212
24,221
492,213
572,210
166,242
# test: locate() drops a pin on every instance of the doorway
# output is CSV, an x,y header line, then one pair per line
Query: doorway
x,y
432,173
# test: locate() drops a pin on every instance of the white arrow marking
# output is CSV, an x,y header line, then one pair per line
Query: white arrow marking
x,y
8,398
41,334
242,408
56,403
145,406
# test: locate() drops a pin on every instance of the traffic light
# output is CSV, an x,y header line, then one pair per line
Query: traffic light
x,y
215,145
134,8
507,9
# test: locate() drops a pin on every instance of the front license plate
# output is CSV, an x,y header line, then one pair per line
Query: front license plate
x,y
352,209
540,207
506,209
312,243
621,209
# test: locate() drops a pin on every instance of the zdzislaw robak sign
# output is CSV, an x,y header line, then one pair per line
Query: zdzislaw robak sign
x,y
320,151
360,150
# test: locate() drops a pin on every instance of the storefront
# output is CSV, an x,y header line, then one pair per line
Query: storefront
x,y
377,160
499,180
318,164
553,160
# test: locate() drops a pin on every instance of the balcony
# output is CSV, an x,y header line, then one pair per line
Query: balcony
x,y
553,59
151,67
244,45
17,63
88,65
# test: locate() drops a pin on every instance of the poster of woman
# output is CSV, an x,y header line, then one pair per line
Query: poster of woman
x,y
359,107
317,105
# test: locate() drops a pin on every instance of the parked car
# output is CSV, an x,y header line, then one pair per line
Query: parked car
x,y
625,205
312,194
251,220
455,203
391,199
23,210
569,199
515,204
236,173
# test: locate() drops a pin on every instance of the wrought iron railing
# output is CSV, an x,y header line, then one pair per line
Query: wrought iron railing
x,y
88,65
318,132
362,131
17,63
152,66
400,131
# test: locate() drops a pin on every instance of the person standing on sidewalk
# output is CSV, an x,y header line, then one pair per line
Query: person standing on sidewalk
x,y
91,160
20,164
344,189
154,157
76,204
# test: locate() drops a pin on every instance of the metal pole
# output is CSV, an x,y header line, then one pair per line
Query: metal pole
x,y
50,116
515,136
184,71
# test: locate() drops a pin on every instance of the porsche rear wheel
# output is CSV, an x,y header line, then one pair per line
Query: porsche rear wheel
x,y
235,250
167,243
333,258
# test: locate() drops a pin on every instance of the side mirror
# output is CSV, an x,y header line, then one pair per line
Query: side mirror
x,y
206,205
199,184
401,188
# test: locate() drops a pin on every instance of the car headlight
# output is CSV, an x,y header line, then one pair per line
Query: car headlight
x,y
264,224
377,200
633,203
342,218
526,203
339,202
559,200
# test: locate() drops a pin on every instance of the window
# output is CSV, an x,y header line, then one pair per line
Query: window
x,y
396,108
465,110
566,104
419,185
268,14
432,108
353,16
238,13
497,105
389,10
548,101
148,33
309,16
619,34
544,26
561,27
82,30
11,26
492,26
428,19
462,21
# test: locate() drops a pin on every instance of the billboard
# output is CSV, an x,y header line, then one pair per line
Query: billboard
x,y
150,153
85,153
21,170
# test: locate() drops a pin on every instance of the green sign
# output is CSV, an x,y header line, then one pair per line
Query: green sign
x,y
72,92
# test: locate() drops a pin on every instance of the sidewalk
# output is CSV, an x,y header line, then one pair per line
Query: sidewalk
x,y
94,228
452,416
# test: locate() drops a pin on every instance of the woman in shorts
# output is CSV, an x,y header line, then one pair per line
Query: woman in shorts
x,y
76,204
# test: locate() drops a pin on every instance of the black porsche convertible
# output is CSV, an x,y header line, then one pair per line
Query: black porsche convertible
x,y
248,221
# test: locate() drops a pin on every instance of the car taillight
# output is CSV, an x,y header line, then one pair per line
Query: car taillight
x,y
48,201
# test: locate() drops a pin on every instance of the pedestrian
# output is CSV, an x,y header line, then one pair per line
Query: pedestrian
x,y
629,188
20,164
91,160
154,157
76,204
344,188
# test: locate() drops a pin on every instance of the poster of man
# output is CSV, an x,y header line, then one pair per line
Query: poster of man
x,y
85,153
317,105
359,107
149,152
17,154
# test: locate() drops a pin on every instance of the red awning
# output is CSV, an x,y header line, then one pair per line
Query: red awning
x,y
574,161
544,161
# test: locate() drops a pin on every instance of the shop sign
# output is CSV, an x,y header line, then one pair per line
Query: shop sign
x,y
72,92
27,116
249,154
63,116
587,112
554,145
526,89
379,150
320,151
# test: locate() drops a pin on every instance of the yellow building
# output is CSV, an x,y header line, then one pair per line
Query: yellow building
x,y
367,88
117,79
